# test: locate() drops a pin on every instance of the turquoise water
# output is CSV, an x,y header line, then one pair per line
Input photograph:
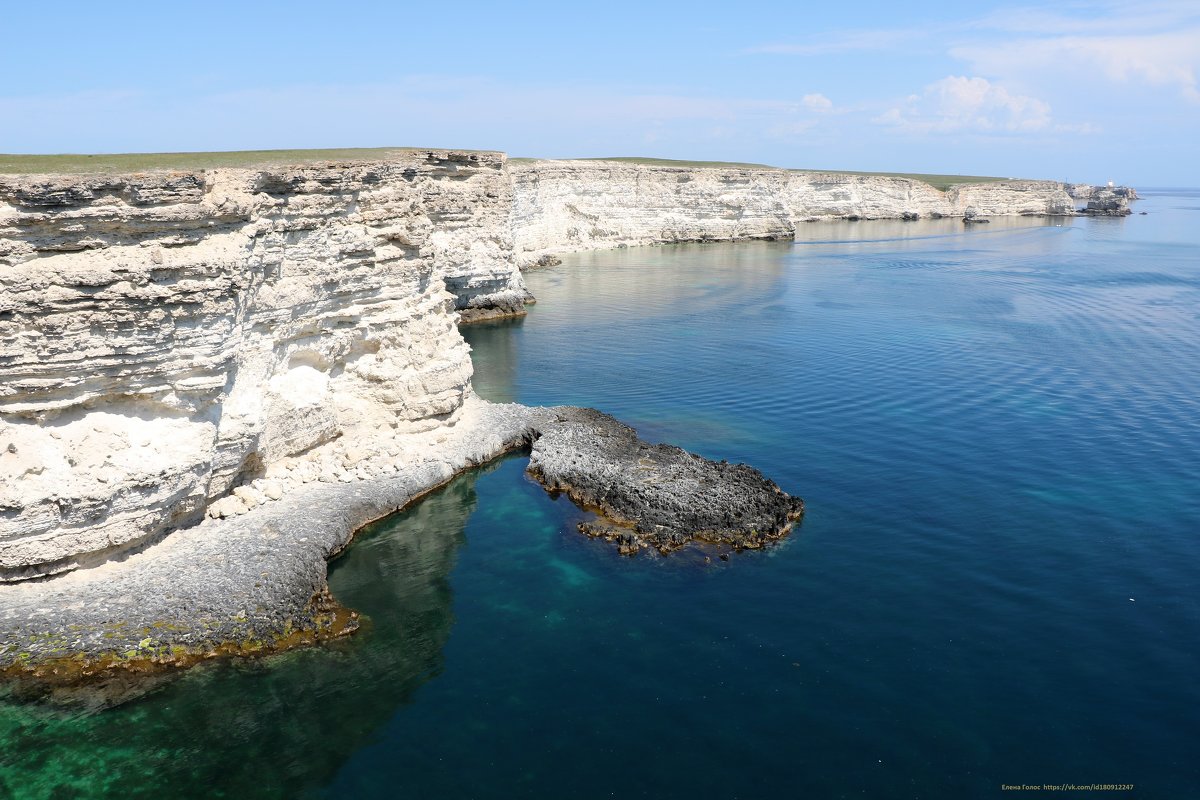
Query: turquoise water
x,y
997,435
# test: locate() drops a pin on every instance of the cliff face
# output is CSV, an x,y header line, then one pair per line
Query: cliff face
x,y
168,338
561,206
1104,201
164,337
1009,198
813,195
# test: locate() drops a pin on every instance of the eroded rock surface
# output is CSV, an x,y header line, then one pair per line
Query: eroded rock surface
x,y
166,337
258,361
567,206
256,580
252,582
1106,202
655,495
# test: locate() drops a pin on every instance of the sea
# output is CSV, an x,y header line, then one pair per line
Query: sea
x,y
995,590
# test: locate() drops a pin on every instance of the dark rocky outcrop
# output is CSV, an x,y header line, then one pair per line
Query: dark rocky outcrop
x,y
1103,201
497,306
654,495
1109,203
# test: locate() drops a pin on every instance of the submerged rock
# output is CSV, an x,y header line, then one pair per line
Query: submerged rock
x,y
655,495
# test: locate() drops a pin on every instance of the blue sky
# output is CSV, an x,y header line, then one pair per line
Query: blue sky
x,y
1070,91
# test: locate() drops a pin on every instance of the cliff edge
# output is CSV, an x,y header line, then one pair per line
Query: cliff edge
x,y
567,206
166,337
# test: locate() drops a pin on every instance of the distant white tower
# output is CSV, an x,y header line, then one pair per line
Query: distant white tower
x,y
1110,184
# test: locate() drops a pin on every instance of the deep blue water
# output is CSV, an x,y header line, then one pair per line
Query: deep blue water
x,y
997,434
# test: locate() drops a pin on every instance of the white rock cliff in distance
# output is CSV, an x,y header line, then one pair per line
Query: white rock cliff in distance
x,y
167,338
563,206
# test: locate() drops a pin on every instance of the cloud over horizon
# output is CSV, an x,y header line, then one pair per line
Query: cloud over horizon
x,y
958,103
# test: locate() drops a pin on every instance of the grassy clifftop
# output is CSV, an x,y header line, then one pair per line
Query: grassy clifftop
x,y
660,162
141,162
941,182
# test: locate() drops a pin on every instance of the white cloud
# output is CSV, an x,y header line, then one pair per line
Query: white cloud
x,y
960,104
1136,42
816,102
1113,17
1158,59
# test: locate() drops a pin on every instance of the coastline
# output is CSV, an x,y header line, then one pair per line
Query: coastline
x,y
251,584
247,461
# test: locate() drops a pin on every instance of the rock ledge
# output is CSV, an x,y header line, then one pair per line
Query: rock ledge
x,y
256,582
655,495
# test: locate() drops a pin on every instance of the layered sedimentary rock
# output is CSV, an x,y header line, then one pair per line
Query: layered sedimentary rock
x,y
1084,191
252,582
1008,198
812,195
165,337
563,206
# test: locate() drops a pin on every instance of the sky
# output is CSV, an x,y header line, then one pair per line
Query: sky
x,y
1089,92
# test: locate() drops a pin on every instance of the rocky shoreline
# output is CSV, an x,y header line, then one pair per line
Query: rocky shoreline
x,y
255,581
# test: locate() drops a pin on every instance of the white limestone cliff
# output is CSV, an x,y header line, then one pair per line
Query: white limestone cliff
x,y
165,337
566,206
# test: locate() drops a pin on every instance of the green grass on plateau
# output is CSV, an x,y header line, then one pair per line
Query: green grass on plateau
x,y
942,182
142,162
71,163
672,162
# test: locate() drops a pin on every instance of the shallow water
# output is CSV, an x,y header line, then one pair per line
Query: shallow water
x,y
997,436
